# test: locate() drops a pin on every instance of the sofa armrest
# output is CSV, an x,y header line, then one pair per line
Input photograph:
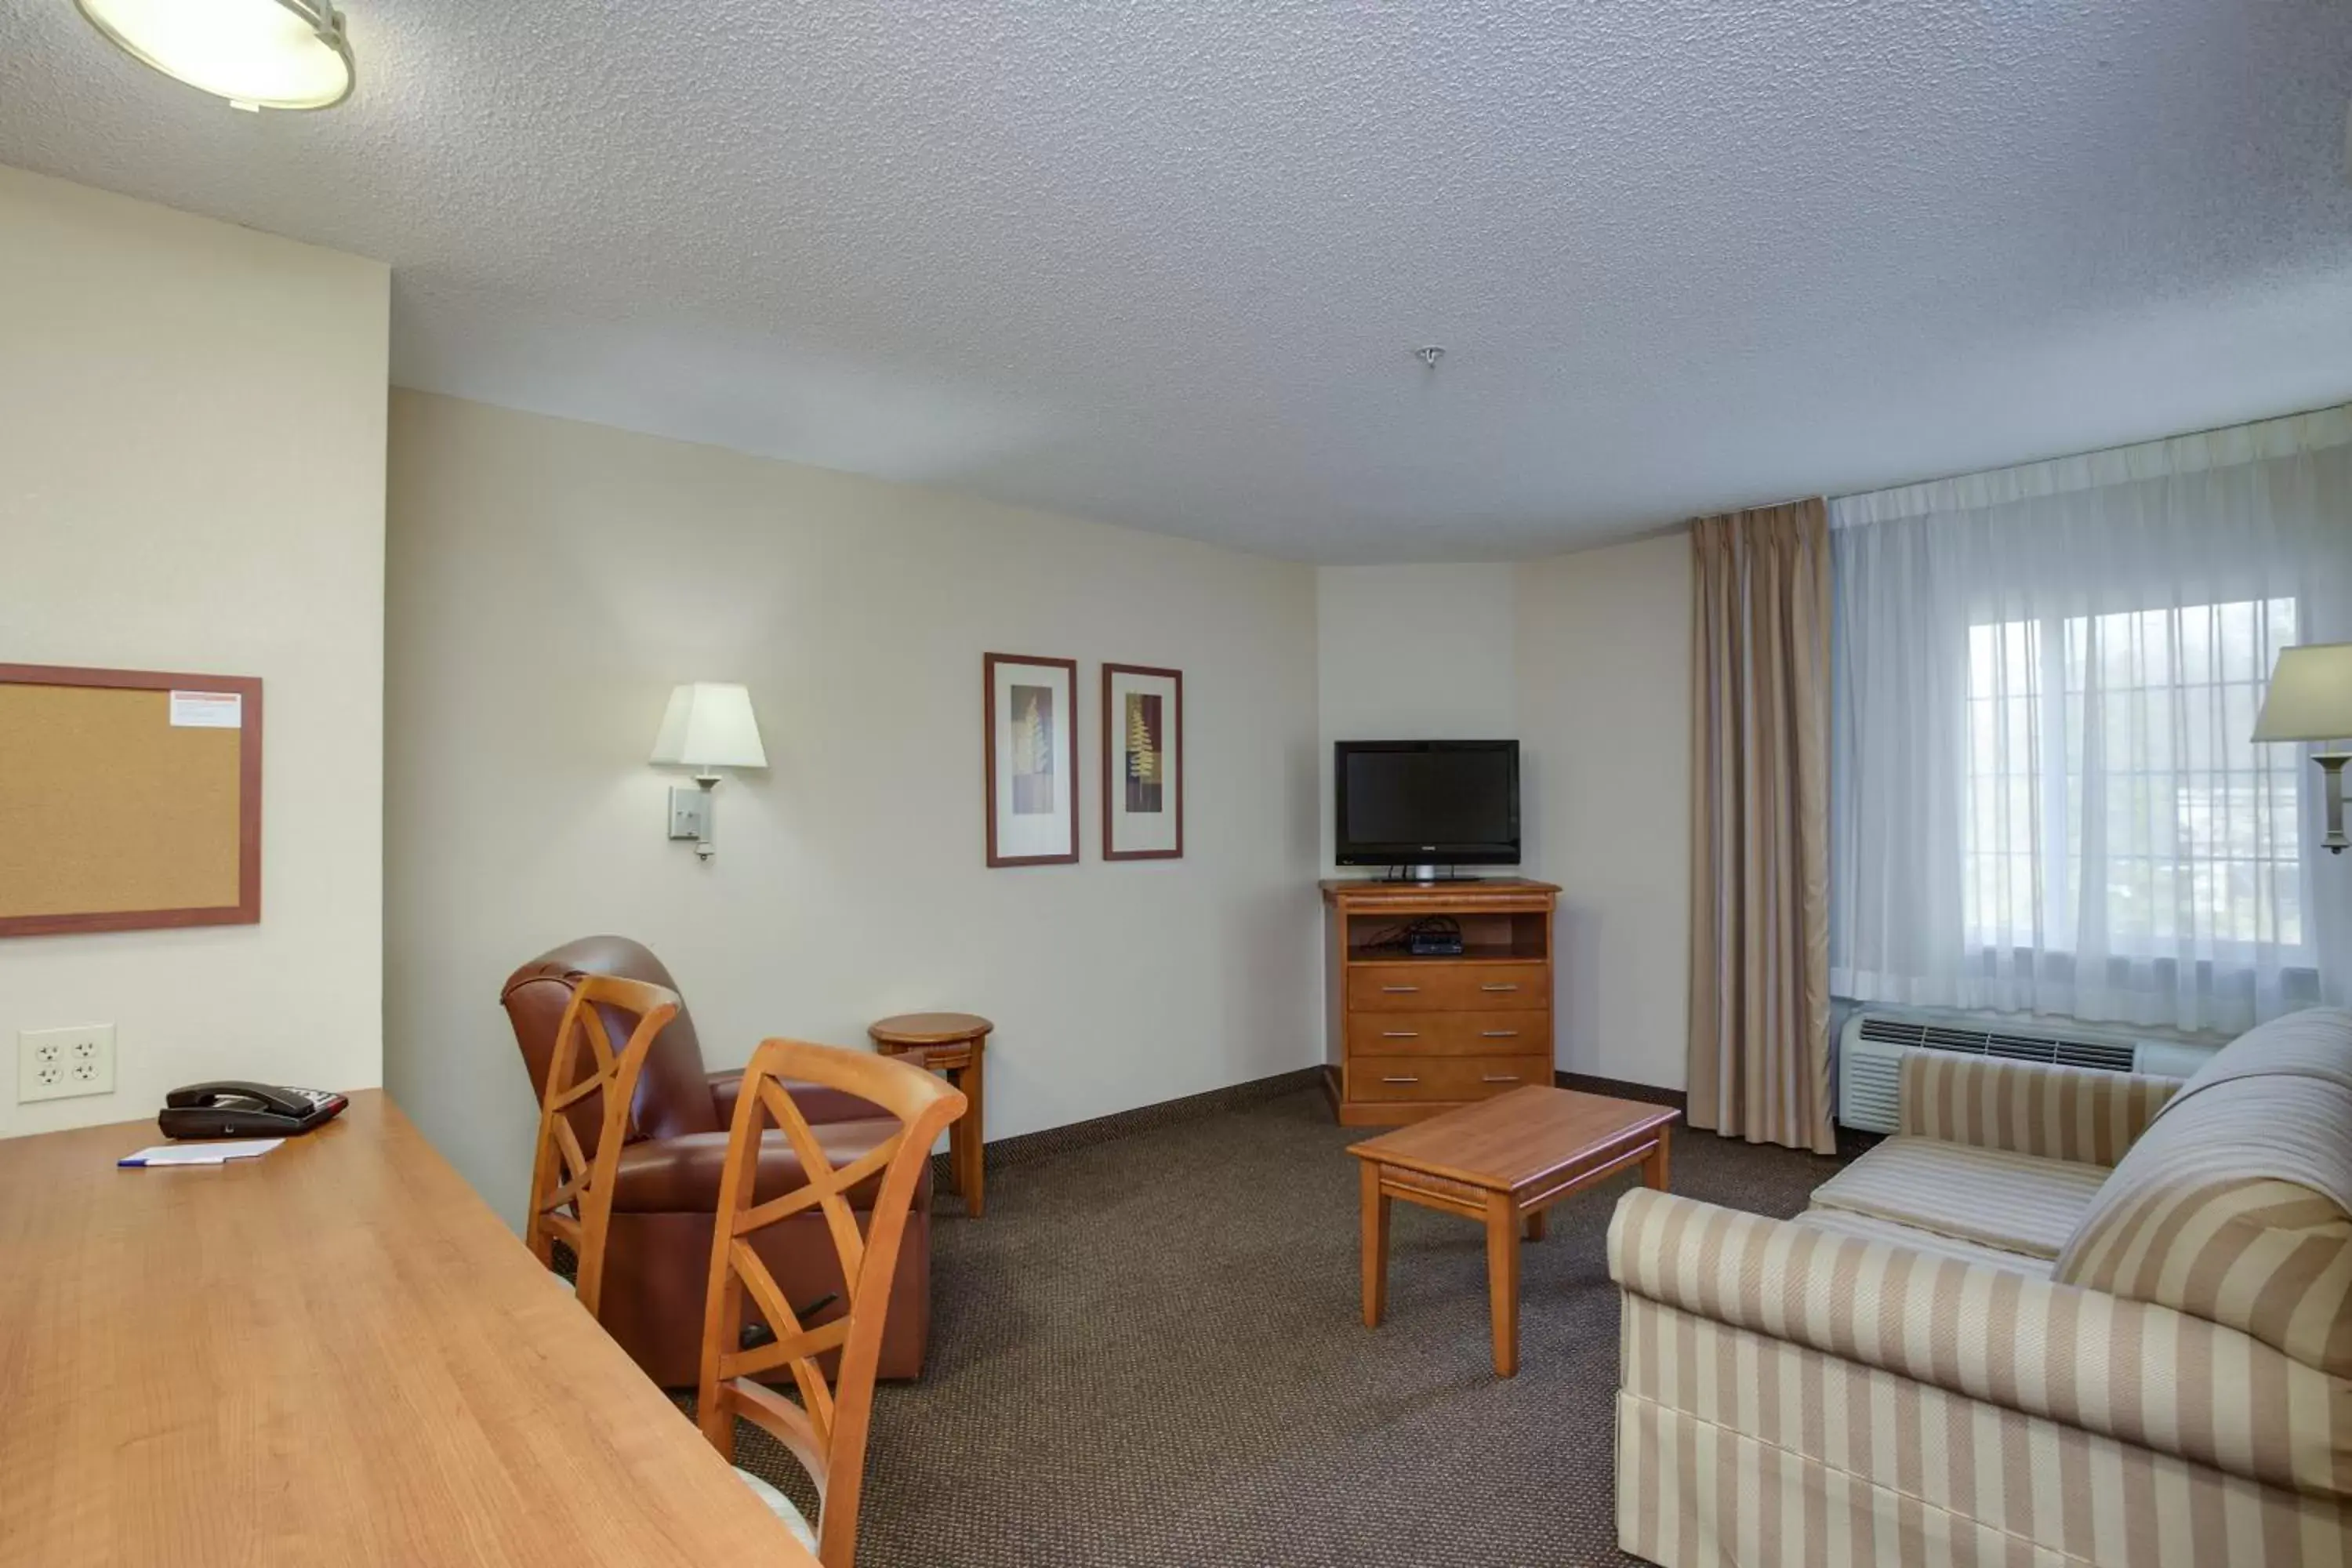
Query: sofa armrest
x,y
2030,1108
2138,1372
819,1104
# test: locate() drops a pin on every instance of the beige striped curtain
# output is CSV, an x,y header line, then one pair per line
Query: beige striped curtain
x,y
1759,958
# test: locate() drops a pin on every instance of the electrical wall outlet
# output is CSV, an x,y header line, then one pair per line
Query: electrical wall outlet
x,y
60,1064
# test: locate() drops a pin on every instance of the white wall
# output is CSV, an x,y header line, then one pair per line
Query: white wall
x,y
550,582
1411,653
1603,641
192,430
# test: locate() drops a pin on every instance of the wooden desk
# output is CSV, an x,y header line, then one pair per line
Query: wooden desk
x,y
332,1354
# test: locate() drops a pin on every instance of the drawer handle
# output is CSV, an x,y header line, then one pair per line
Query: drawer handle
x,y
1498,1034
1398,990
1399,1034
1512,985
1400,1081
1498,1078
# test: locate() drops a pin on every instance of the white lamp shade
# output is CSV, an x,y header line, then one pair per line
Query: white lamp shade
x,y
259,54
708,724
2311,695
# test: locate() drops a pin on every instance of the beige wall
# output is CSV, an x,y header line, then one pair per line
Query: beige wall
x,y
1411,653
550,582
1585,659
1604,639
192,430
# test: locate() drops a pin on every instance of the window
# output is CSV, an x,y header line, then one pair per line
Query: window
x,y
2044,796
2115,804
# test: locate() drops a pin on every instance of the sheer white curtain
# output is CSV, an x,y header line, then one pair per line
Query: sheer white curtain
x,y
2043,796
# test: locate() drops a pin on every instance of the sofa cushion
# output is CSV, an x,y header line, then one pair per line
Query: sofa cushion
x,y
1869,1228
2313,1044
2016,1203
2236,1205
2029,1108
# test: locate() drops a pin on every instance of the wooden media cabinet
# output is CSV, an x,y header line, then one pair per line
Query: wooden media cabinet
x,y
1408,1036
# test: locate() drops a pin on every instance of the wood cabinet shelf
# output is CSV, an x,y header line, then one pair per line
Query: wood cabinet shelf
x,y
1488,953
1409,1034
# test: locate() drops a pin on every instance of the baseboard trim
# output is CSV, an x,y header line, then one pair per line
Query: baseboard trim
x,y
1052,1140
1850,1144
1028,1146
1620,1089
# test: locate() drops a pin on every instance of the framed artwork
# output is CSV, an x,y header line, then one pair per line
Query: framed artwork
x,y
1033,759
1143,762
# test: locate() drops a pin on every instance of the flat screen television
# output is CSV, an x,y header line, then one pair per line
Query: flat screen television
x,y
1427,804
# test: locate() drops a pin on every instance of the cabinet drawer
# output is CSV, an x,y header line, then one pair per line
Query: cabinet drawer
x,y
1448,1034
1442,1077
1435,985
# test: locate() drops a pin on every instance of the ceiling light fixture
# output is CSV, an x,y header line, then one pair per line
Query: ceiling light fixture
x,y
258,54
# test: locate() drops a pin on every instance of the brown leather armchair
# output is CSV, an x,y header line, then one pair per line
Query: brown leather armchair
x,y
657,1251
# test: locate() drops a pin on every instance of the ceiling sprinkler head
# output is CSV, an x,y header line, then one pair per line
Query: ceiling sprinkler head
x,y
1429,355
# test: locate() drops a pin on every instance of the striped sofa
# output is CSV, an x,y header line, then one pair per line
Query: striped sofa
x,y
2062,1318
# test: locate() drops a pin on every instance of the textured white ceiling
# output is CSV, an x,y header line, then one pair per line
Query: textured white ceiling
x,y
1164,264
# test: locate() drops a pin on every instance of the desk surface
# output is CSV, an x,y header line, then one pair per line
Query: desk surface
x,y
332,1354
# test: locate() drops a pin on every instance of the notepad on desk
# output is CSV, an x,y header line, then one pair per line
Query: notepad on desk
x,y
202,1154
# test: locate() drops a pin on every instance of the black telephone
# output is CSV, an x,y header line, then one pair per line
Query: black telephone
x,y
232,1109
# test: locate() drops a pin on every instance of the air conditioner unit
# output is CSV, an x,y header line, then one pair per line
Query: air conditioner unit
x,y
1872,1047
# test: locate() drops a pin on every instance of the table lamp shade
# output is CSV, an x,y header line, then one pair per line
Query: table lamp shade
x,y
709,725
2310,696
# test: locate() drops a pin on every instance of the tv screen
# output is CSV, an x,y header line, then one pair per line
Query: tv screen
x,y
1439,803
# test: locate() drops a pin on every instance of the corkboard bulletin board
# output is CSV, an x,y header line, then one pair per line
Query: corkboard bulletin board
x,y
129,799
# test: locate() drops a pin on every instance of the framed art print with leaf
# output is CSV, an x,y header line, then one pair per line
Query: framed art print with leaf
x,y
1143,762
1033,759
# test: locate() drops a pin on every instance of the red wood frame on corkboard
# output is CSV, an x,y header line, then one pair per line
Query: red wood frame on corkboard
x,y
246,909
988,714
1112,748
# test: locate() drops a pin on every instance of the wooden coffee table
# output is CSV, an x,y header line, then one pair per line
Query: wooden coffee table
x,y
1503,1160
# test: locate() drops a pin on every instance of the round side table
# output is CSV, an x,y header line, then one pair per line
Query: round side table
x,y
953,1044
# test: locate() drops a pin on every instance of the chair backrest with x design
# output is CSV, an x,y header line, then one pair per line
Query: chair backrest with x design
x,y
571,1181
826,1430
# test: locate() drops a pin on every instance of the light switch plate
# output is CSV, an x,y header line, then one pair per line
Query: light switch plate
x,y
63,1064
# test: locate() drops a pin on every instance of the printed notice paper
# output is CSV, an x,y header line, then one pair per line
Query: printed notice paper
x,y
207,711
202,1154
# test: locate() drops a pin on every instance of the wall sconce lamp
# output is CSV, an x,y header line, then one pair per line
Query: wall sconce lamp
x,y
2310,699
706,726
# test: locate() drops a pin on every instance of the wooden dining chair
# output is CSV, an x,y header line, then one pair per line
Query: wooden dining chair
x,y
826,1430
571,1184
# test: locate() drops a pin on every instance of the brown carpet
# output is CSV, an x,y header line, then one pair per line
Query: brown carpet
x,y
1150,1353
